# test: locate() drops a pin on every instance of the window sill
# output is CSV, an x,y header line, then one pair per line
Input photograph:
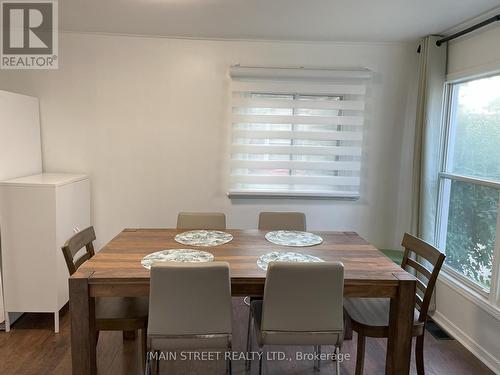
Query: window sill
x,y
470,294
241,194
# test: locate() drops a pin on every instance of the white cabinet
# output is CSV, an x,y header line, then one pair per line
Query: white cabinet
x,y
38,214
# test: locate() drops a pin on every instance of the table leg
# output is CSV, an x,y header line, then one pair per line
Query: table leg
x,y
400,327
83,329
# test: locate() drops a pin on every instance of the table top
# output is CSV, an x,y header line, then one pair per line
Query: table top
x,y
120,259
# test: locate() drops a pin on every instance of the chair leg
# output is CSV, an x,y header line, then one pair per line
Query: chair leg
x,y
360,354
419,355
229,367
248,363
147,370
143,345
157,362
347,327
317,362
337,362
261,360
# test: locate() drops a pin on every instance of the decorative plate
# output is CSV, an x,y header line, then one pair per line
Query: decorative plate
x,y
293,238
287,256
203,238
176,255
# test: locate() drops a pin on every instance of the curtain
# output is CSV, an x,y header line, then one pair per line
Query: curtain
x,y
428,139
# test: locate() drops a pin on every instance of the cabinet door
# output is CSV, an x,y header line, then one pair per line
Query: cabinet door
x,y
28,232
72,214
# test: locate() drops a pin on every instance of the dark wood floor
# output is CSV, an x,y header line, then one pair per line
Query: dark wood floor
x,y
31,348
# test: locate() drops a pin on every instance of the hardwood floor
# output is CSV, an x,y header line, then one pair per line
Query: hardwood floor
x,y
31,348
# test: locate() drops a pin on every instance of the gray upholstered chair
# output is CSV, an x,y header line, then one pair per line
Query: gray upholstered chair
x,y
282,221
201,220
279,221
302,305
189,308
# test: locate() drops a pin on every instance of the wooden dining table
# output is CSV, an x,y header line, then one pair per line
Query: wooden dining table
x,y
116,271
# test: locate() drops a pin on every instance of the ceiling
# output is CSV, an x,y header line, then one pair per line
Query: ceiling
x,y
311,20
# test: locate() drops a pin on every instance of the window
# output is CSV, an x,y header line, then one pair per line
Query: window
x,y
295,137
470,182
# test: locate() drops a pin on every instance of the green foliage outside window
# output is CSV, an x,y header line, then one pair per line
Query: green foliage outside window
x,y
471,231
472,214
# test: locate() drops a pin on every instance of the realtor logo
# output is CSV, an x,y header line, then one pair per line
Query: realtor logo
x,y
29,35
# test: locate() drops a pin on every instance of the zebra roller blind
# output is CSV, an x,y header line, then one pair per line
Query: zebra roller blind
x,y
296,132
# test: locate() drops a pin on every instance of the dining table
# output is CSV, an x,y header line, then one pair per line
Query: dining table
x,y
116,271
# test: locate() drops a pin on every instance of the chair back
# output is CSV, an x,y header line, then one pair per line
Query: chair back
x,y
303,297
282,221
82,239
189,299
201,220
426,276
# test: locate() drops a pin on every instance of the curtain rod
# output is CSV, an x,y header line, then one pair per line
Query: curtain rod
x,y
469,29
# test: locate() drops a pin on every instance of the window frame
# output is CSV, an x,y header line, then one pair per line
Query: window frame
x,y
445,177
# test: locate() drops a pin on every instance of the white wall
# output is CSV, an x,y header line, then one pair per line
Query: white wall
x,y
147,119
477,326
20,147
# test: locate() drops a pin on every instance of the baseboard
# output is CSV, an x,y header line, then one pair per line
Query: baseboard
x,y
464,339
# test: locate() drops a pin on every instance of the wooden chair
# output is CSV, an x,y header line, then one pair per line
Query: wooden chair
x,y
201,220
369,317
112,314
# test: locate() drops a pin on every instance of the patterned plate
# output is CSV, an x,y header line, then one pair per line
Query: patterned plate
x,y
176,255
203,238
293,238
287,256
